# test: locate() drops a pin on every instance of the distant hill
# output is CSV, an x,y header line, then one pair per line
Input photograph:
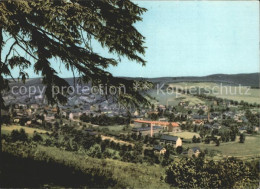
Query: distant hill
x,y
251,79
14,98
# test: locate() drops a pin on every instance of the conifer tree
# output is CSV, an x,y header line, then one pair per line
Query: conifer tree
x,y
35,32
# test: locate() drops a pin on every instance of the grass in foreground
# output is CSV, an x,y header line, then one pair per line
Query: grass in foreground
x,y
95,172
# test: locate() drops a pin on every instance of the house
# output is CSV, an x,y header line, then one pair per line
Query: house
x,y
38,97
89,132
194,151
136,113
22,106
198,122
28,123
64,114
16,120
200,117
71,116
183,103
147,130
49,118
39,121
244,119
256,129
54,110
159,149
215,114
208,126
162,119
76,115
174,129
94,108
153,112
28,111
86,107
152,124
216,126
229,114
173,140
162,107
19,114
242,129
9,98
109,113
34,106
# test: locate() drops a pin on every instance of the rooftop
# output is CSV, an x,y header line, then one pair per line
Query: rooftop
x,y
194,149
165,123
146,128
158,147
169,138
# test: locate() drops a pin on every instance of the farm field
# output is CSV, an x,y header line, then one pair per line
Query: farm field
x,y
174,98
116,129
185,134
113,127
224,91
247,150
115,140
28,130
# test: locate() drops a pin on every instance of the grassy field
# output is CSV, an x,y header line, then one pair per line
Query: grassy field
x,y
247,150
122,174
135,175
116,129
28,130
115,140
224,91
113,127
175,98
185,134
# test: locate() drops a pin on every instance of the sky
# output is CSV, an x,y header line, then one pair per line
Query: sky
x,y
192,38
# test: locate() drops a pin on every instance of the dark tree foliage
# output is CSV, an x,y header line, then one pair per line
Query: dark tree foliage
x,y
194,139
6,119
43,30
64,30
242,138
37,137
19,135
199,173
217,142
104,120
252,118
179,149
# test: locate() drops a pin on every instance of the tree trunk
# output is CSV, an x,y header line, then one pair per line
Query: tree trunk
x,y
1,156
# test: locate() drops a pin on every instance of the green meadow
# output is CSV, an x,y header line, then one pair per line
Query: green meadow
x,y
221,90
248,150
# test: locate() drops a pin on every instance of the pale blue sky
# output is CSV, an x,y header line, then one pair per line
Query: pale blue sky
x,y
194,38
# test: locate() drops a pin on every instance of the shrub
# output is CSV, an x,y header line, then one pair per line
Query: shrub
x,y
19,135
37,137
95,151
242,138
198,173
